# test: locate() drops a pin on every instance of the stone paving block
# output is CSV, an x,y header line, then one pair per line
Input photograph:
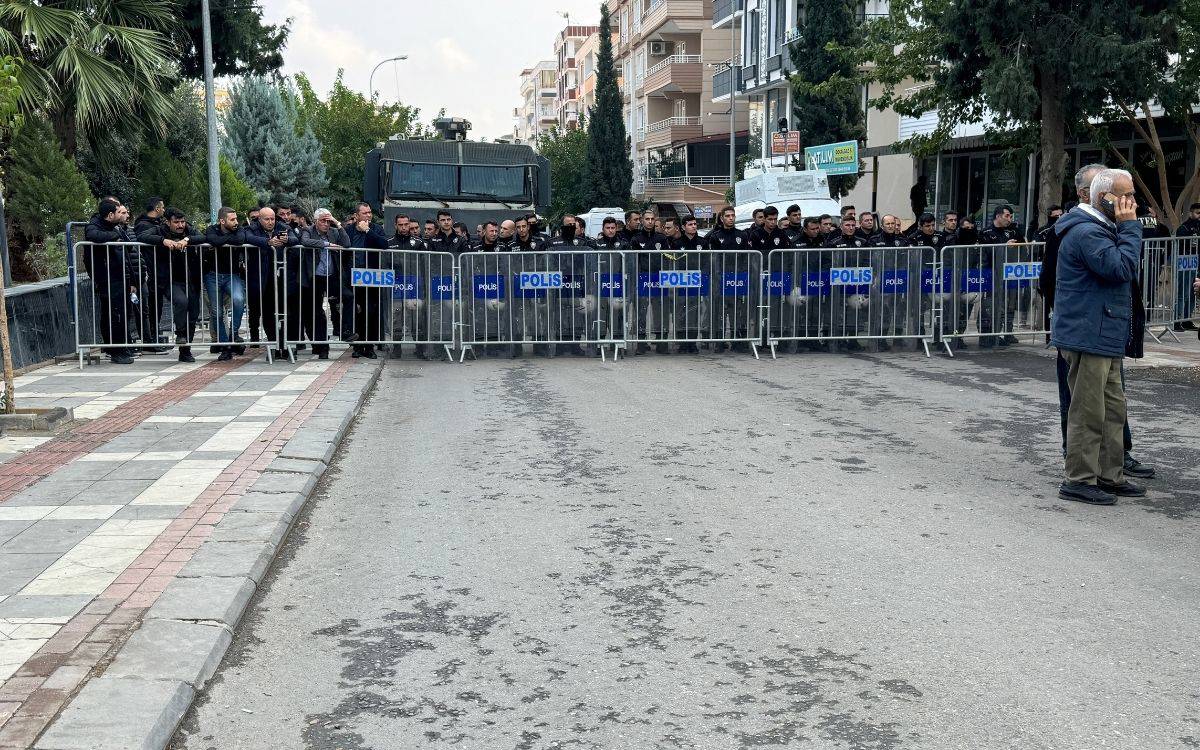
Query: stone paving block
x,y
173,650
230,560
274,481
252,527
9,529
87,470
297,466
19,568
306,446
112,492
147,512
212,599
113,713
286,503
141,470
26,605
51,536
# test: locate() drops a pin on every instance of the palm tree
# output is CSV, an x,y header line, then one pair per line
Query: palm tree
x,y
91,66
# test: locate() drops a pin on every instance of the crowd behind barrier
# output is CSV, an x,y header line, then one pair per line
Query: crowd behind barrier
x,y
284,283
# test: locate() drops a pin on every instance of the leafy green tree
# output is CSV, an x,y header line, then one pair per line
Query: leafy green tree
x,y
348,125
1171,90
46,188
827,105
280,161
568,155
91,67
242,43
609,174
1031,69
234,192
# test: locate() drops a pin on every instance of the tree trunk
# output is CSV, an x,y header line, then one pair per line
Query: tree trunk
x,y
1053,132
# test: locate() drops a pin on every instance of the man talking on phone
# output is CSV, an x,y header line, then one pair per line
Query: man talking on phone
x,y
1097,262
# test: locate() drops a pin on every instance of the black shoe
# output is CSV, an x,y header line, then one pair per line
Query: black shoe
x,y
958,344
121,358
185,354
1010,340
1136,468
301,347
318,350
214,349
279,354
356,353
322,354
1188,325
369,352
1124,489
662,348
1085,493
1178,327
349,337
238,349
225,355
642,348
155,349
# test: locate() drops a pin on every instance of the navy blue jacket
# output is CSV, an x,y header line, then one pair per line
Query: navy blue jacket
x,y
1097,264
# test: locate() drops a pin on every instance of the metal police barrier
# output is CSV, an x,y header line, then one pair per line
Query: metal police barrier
x,y
989,292
157,299
368,298
570,299
846,295
1169,268
693,298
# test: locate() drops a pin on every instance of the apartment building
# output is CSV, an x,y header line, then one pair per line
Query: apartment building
x,y
566,50
585,64
538,111
668,54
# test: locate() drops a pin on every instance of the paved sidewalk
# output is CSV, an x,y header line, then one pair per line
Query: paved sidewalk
x,y
114,529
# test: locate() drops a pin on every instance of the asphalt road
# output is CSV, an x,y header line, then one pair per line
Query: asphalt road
x,y
714,552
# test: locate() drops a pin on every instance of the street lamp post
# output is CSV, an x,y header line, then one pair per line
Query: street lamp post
x,y
210,113
371,80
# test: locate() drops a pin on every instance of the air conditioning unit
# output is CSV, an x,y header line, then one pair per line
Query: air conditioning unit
x,y
661,49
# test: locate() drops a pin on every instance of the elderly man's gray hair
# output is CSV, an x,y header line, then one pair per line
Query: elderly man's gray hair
x,y
1083,178
1103,183
322,212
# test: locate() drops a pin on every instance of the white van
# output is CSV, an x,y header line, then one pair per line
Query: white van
x,y
808,189
593,220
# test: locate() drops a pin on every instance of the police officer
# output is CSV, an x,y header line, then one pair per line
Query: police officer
x,y
576,308
1053,214
901,306
724,242
867,228
414,306
613,287
368,304
446,239
795,227
645,263
847,316
1002,302
685,308
766,238
508,228
526,307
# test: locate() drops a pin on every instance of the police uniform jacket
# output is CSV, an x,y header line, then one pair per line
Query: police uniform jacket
x,y
535,244
449,243
616,243
1189,228
883,239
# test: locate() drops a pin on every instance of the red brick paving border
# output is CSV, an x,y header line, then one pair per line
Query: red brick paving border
x,y
43,686
42,461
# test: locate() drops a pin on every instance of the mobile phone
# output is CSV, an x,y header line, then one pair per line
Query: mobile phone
x,y
1108,205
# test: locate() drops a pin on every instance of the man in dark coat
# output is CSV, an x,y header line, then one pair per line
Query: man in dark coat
x,y
269,239
1098,260
113,277
223,272
368,303
176,260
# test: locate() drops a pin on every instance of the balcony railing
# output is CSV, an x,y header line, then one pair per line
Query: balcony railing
x,y
724,9
672,122
673,60
688,180
722,83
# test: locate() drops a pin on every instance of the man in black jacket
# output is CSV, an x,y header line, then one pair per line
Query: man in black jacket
x,y
633,225
371,304
154,277
728,238
269,239
112,277
1002,302
176,257
850,306
223,266
446,239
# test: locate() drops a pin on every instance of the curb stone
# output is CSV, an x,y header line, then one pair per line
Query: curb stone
x,y
138,703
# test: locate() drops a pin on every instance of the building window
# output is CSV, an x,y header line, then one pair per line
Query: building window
x,y
752,32
779,11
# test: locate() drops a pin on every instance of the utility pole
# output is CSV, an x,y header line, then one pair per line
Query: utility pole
x,y
210,108
733,87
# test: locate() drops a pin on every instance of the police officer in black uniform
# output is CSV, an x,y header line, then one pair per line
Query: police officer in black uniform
x,y
726,237
1003,302
847,315
644,265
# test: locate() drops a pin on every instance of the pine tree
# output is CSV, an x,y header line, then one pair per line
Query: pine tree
x,y
826,101
263,144
609,169
46,189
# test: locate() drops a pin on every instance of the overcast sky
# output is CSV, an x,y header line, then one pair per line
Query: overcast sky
x,y
464,55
